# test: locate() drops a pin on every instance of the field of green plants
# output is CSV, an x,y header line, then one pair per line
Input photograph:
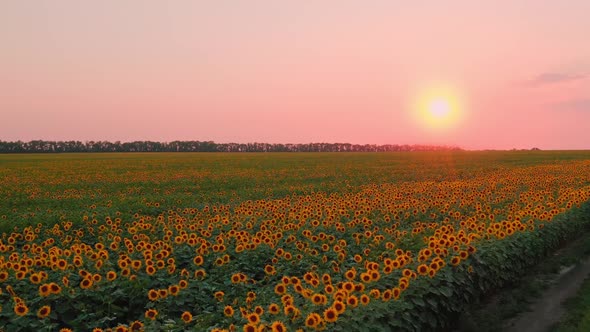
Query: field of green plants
x,y
275,241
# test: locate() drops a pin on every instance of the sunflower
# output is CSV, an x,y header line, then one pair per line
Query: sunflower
x,y
340,295
125,272
183,284
111,275
290,310
269,270
315,282
464,254
235,278
350,274
151,314
286,280
253,318
329,289
228,311
187,317
198,260
200,274
423,269
153,295
44,311
375,293
252,295
359,288
21,309
339,306
249,328
318,299
396,291
54,288
86,283
386,296
136,326
273,308
287,299
387,269
330,315
150,270
278,326
312,320
163,293
365,277
258,309
174,290
122,264
243,311
431,273
434,266
348,287
44,290
62,264
365,299
298,288
403,283
35,278
121,328
280,289
171,269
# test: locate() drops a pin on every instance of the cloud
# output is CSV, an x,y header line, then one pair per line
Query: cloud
x,y
553,78
573,105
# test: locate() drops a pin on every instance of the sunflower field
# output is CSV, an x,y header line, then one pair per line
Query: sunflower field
x,y
275,241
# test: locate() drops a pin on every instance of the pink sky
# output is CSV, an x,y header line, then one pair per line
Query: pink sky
x,y
294,71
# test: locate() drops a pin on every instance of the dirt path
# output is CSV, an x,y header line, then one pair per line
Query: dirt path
x,y
548,309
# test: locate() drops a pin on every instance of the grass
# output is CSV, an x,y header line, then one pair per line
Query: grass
x,y
577,316
494,311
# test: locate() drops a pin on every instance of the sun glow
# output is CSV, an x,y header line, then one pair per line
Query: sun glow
x,y
437,108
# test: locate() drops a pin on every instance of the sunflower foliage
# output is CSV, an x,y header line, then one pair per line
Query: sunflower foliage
x,y
129,245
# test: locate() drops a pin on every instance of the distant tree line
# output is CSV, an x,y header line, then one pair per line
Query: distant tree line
x,y
39,146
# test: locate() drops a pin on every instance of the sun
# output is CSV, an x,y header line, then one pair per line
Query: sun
x,y
437,108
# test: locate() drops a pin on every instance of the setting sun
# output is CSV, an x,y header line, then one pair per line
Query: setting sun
x,y
438,108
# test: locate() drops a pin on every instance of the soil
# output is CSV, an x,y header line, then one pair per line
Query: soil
x,y
548,309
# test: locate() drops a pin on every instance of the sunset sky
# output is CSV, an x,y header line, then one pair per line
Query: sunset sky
x,y
296,71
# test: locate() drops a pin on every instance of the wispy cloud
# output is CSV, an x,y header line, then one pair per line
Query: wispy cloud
x,y
582,104
554,78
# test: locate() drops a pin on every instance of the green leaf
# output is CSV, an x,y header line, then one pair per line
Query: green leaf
x,y
418,301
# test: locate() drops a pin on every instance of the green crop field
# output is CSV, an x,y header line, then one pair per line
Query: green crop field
x,y
274,241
